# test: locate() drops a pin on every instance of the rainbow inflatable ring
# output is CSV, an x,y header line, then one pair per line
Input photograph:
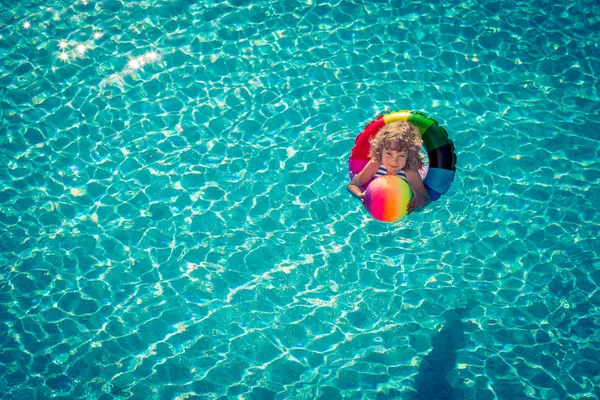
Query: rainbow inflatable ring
x,y
440,150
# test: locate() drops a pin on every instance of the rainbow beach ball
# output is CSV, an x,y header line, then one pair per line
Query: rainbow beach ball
x,y
387,197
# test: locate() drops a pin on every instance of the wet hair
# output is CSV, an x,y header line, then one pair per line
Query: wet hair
x,y
399,136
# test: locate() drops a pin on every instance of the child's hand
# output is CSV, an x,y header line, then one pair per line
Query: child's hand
x,y
361,197
416,202
412,204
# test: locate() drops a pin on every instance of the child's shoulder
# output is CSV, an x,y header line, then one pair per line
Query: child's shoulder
x,y
371,167
411,172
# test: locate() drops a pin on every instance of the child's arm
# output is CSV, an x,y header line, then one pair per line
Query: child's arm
x,y
420,196
361,178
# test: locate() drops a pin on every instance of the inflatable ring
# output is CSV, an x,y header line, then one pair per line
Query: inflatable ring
x,y
442,159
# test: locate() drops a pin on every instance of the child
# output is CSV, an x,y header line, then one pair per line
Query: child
x,y
395,151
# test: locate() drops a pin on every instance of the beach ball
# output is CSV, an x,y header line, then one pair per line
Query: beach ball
x,y
387,197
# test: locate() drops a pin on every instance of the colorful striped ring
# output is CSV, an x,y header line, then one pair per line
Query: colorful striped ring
x,y
440,150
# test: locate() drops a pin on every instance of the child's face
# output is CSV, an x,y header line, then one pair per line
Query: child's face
x,y
394,160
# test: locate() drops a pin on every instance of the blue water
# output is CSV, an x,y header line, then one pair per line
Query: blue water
x,y
174,220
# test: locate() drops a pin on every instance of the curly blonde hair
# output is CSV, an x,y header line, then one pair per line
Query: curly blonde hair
x,y
399,136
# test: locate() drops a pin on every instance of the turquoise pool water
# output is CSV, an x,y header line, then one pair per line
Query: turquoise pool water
x,y
175,225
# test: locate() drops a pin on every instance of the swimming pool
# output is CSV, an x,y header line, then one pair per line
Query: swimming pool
x,y
175,222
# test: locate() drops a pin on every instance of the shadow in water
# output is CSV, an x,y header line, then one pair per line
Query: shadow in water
x,y
431,382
